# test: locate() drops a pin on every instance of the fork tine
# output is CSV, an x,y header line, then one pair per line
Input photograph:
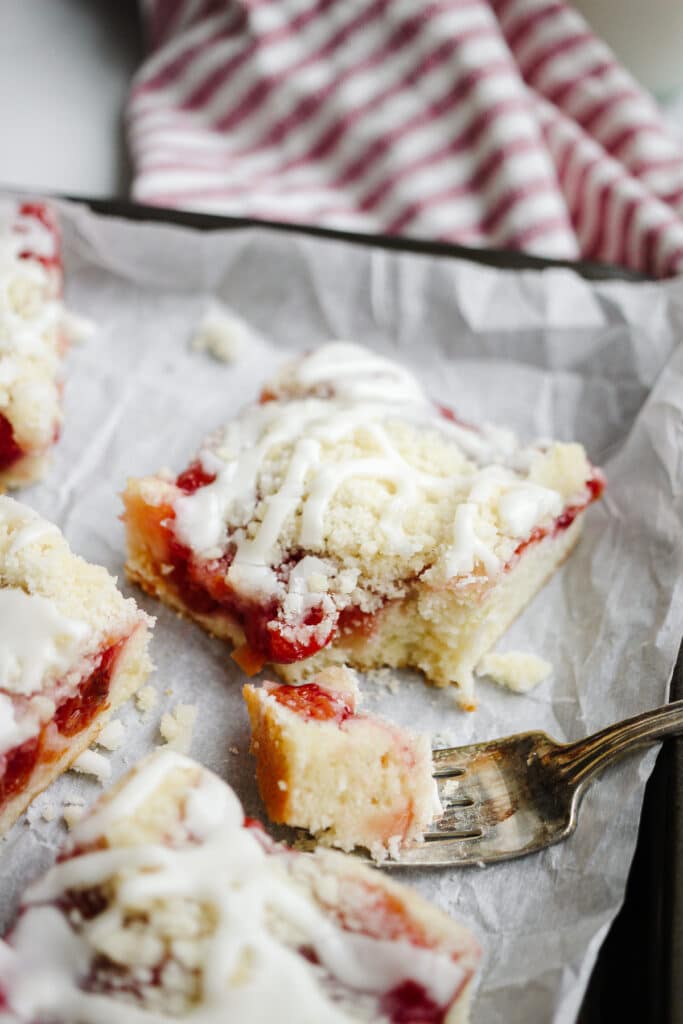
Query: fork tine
x,y
456,820
455,791
452,761
446,851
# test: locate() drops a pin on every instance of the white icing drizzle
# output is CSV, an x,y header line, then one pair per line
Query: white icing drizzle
x,y
260,912
523,504
37,642
467,547
320,401
13,732
27,526
354,372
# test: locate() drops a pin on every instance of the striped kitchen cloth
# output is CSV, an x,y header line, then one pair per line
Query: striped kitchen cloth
x,y
503,123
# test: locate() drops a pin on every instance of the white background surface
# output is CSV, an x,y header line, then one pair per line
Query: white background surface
x,y
65,66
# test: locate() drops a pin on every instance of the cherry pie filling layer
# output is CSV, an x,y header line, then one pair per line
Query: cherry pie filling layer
x,y
10,450
46,218
312,703
203,590
72,716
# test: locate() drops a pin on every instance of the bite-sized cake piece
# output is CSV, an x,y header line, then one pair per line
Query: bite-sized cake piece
x,y
350,778
32,339
167,905
345,517
71,650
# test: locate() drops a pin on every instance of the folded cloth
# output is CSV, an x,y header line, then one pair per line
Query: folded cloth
x,y
504,123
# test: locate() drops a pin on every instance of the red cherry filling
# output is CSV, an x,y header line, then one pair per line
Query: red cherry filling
x,y
88,903
194,477
312,702
448,414
277,643
10,452
40,212
595,486
19,763
72,716
410,1003
43,214
360,623
75,714
204,590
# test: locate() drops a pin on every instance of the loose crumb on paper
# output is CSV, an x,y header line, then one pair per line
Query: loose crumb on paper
x,y
78,328
516,670
222,334
177,727
92,763
146,698
111,736
440,741
48,812
384,678
72,814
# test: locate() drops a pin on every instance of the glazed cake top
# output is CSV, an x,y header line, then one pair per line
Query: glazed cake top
x,y
346,462
57,613
31,320
166,902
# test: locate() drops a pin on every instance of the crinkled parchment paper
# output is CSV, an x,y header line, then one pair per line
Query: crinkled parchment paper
x,y
543,352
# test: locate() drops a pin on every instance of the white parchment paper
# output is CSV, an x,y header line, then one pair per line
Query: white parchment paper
x,y
543,352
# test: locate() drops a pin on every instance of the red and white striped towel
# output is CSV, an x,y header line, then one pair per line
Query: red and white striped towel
x,y
501,123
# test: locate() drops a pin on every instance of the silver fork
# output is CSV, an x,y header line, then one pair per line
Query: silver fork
x,y
515,795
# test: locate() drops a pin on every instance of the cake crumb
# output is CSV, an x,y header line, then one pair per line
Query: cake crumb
x,y
394,847
146,698
92,763
48,812
72,814
440,741
233,750
78,328
111,736
177,727
384,678
221,333
516,670
282,785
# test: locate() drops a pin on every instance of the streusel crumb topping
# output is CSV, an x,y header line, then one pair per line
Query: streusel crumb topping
x,y
345,483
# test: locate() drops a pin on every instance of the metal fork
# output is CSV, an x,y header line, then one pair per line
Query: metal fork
x,y
515,795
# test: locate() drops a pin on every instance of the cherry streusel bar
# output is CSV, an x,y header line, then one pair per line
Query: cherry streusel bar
x,y
168,906
344,517
72,649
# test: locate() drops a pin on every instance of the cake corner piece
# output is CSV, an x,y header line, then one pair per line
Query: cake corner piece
x,y
349,778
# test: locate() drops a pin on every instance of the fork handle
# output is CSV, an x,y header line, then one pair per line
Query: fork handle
x,y
581,760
